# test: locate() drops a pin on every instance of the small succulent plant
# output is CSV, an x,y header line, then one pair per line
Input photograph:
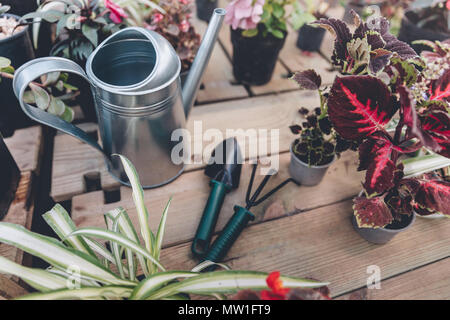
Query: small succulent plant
x,y
50,93
318,143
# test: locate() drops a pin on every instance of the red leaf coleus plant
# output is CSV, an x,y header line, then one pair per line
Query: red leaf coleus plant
x,y
383,79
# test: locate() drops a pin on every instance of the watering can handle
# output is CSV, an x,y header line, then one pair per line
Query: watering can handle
x,y
33,70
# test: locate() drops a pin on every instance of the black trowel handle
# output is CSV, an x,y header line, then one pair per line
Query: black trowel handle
x,y
208,222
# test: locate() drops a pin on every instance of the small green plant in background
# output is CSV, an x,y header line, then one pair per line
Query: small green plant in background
x,y
307,11
77,250
50,93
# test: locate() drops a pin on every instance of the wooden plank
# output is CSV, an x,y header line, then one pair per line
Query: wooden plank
x,y
10,289
322,244
279,82
20,212
26,147
425,283
218,81
296,60
191,191
72,159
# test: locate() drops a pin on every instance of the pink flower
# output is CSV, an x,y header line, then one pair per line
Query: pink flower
x,y
244,14
184,1
157,17
184,26
117,13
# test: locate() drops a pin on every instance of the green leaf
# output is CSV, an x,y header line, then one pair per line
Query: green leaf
x,y
4,62
57,254
9,69
41,96
90,33
228,282
82,293
278,10
59,220
68,114
138,197
120,239
70,87
57,107
28,97
161,229
39,279
250,33
50,16
156,281
278,34
51,78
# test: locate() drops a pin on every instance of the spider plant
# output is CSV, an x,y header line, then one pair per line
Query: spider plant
x,y
78,250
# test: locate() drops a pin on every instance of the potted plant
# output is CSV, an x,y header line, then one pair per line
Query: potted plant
x,y
258,33
174,24
205,9
80,27
318,144
15,44
383,77
426,20
95,261
309,37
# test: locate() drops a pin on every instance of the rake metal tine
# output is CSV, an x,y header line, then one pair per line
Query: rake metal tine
x,y
268,194
250,185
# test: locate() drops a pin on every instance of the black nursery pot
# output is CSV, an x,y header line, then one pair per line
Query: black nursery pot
x,y
205,9
410,32
254,58
18,49
310,38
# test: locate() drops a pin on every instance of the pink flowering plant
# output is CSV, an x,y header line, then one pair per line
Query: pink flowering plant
x,y
255,16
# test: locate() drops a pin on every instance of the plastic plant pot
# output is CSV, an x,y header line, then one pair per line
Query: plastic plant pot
x,y
310,38
305,174
254,58
18,49
205,9
384,235
410,32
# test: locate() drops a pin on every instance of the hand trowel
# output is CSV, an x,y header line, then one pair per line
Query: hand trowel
x,y
224,169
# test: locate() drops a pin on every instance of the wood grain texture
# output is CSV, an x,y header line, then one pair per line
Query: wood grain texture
x,y
72,159
430,282
218,81
10,289
191,191
26,147
322,244
20,212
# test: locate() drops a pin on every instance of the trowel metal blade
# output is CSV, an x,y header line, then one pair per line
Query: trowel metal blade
x,y
225,163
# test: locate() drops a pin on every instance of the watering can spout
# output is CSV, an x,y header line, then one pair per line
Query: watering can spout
x,y
194,78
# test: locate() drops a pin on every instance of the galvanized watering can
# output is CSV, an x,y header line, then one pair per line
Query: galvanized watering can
x,y
134,77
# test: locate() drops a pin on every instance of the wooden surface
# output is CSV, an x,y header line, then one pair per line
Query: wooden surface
x,y
301,231
26,147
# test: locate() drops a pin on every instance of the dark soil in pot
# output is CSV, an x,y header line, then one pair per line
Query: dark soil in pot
x,y
18,49
310,38
205,9
254,58
410,32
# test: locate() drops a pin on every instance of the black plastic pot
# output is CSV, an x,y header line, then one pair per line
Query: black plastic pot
x,y
310,38
9,178
205,9
254,58
18,49
21,7
410,32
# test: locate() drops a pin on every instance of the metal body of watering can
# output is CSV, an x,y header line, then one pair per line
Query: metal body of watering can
x,y
134,77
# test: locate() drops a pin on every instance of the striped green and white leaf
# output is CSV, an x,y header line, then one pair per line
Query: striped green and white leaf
x,y
138,197
120,239
422,164
108,292
37,278
161,229
223,282
57,254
